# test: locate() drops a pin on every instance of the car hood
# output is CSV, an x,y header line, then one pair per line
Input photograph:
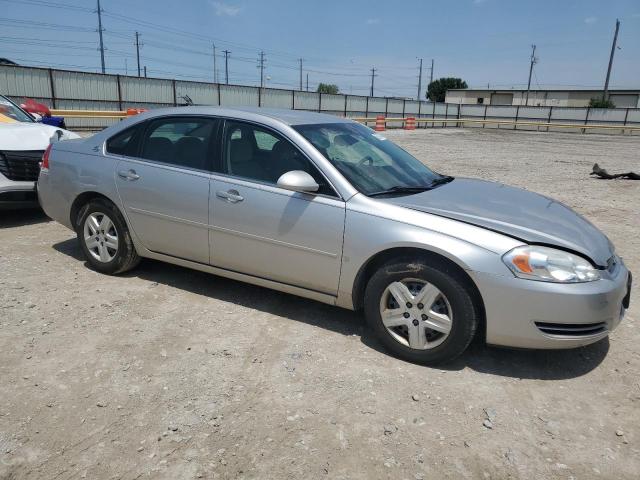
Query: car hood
x,y
524,215
30,136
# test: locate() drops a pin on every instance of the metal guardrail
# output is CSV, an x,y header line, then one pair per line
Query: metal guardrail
x,y
89,113
513,123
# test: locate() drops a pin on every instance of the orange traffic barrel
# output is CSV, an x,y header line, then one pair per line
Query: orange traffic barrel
x,y
410,123
135,111
380,124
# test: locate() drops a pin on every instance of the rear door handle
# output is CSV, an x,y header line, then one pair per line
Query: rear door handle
x,y
128,175
231,196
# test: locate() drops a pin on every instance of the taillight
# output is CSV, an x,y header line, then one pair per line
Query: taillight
x,y
44,165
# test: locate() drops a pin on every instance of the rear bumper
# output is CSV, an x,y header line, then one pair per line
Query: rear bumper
x,y
528,314
17,194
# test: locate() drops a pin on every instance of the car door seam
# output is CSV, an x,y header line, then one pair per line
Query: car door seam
x,y
170,217
274,241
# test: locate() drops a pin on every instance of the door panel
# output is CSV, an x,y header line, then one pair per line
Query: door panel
x,y
167,207
273,233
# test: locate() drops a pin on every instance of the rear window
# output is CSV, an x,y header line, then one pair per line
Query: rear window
x,y
124,143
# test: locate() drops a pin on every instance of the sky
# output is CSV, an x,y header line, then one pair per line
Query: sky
x,y
485,42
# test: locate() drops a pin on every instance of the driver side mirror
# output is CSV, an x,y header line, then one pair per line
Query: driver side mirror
x,y
298,181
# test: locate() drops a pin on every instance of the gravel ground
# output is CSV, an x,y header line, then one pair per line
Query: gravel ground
x,y
171,373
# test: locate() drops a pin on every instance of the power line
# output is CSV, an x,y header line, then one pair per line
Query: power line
x,y
44,3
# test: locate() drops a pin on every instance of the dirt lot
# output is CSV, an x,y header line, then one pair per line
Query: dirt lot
x,y
170,373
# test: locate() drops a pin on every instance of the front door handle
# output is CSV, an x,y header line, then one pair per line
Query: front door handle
x,y
128,175
231,196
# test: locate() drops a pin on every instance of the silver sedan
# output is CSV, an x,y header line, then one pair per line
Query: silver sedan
x,y
327,209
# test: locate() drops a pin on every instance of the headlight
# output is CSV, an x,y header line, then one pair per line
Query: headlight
x,y
549,265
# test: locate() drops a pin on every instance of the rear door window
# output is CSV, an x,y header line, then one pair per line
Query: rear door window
x,y
179,141
125,142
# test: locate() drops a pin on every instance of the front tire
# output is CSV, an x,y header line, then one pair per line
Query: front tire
x,y
421,311
105,239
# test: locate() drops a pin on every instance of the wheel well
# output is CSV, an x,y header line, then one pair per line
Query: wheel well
x,y
80,201
410,254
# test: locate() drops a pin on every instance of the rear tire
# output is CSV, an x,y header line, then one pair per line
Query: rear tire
x,y
105,239
436,317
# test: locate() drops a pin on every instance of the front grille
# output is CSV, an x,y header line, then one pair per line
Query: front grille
x,y
572,329
21,166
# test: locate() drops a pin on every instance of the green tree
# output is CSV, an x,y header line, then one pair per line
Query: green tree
x,y
600,102
327,88
437,90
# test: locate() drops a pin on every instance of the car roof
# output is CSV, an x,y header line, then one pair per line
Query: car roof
x,y
289,117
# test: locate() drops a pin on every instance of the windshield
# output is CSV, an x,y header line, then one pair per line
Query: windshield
x,y
9,111
371,163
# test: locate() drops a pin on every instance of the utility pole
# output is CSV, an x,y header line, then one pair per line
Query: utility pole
x,y
261,67
373,75
534,60
145,71
431,79
307,82
138,51
419,81
226,66
605,94
215,70
300,60
100,30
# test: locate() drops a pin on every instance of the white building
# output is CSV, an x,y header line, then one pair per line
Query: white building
x,y
542,98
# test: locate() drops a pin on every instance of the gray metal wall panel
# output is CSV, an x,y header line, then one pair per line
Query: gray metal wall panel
x,y
472,110
395,106
200,93
24,81
86,105
411,107
234,96
144,90
634,116
85,86
377,105
534,113
561,113
274,98
496,111
357,104
306,101
332,103
604,115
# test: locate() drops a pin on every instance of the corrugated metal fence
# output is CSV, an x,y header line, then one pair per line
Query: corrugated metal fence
x,y
64,89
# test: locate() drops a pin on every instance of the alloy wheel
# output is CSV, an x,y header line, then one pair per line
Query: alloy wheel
x,y
416,313
101,237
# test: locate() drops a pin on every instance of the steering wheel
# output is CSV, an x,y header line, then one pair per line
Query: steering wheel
x,y
365,160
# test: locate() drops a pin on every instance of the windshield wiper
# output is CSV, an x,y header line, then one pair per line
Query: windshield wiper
x,y
441,181
400,189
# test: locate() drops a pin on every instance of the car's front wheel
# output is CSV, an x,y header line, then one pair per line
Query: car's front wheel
x,y
422,311
105,238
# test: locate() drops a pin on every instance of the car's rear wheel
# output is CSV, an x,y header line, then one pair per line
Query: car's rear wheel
x,y
105,238
423,313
